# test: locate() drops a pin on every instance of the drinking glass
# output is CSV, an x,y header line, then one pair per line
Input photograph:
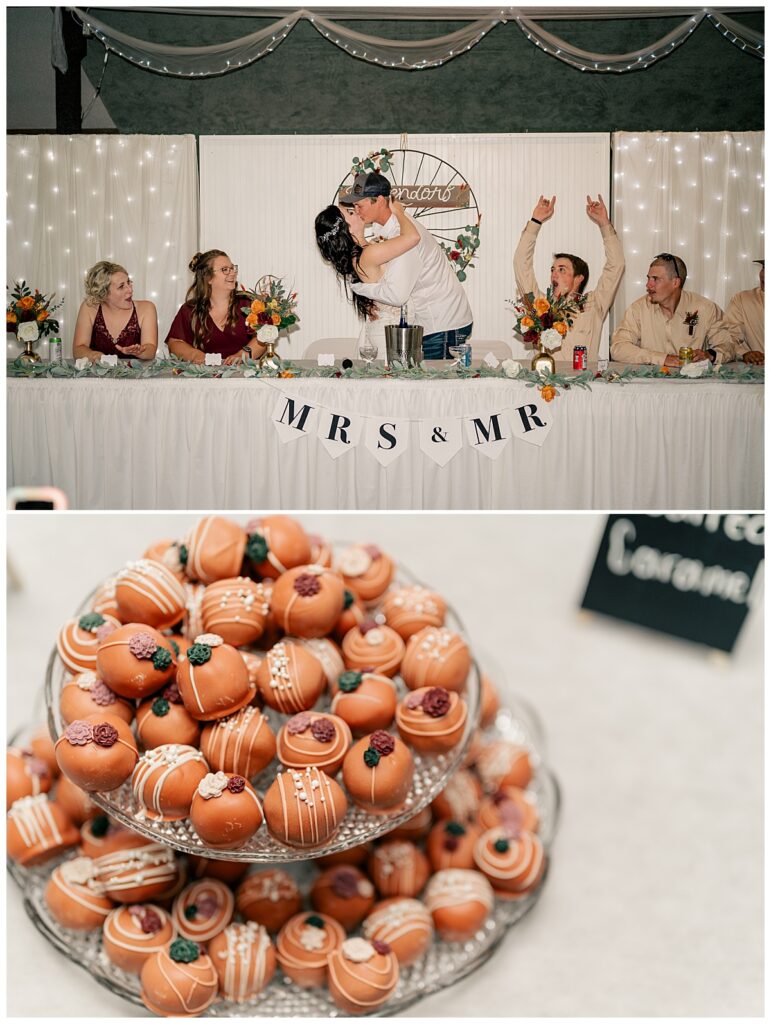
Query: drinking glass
x,y
367,350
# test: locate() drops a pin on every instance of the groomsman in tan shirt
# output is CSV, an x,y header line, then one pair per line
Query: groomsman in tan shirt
x,y
571,274
745,313
667,318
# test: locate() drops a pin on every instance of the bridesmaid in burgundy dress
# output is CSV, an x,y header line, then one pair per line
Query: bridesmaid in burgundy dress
x,y
210,319
110,322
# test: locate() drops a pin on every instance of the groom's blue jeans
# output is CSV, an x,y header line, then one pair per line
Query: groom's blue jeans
x,y
437,345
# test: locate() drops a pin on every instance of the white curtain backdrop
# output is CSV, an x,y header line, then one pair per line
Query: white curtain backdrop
x,y
274,186
74,200
698,195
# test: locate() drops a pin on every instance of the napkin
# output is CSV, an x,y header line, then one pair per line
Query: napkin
x,y
491,361
108,361
212,359
699,369
82,363
326,359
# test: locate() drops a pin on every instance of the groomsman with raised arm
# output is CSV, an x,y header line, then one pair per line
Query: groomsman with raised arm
x,y
744,318
570,274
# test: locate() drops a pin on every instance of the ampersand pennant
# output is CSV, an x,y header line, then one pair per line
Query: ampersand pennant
x,y
441,439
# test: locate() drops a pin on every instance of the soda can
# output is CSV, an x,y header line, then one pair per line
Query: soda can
x,y
579,357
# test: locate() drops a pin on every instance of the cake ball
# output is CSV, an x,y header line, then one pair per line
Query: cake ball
x,y
74,801
25,775
362,975
244,959
414,828
137,874
459,800
410,609
450,844
290,679
503,763
269,897
489,701
276,544
104,601
165,779
313,739
42,747
353,614
304,808
235,609
87,694
513,866
242,743
192,619
321,550
366,570
398,868
148,592
100,836
378,771
365,700
165,719
97,753
355,855
180,981
252,660
343,893
373,648
326,651
71,899
303,946
213,680
404,924
436,657
432,719
225,811
511,809
228,871
79,639
136,660
169,553
37,830
203,909
131,935
308,601
459,901
214,550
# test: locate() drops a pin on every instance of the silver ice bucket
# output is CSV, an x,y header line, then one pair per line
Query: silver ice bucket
x,y
404,344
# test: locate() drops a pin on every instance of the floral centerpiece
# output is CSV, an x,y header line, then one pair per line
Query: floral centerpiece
x,y
544,321
29,316
271,310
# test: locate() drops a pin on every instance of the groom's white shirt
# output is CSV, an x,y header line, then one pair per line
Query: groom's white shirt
x,y
425,276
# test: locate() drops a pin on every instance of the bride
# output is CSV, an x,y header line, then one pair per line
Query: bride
x,y
341,242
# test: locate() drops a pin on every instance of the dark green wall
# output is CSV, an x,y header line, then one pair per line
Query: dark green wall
x,y
504,84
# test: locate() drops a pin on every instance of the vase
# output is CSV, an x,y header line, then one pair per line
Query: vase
x,y
269,360
543,362
29,352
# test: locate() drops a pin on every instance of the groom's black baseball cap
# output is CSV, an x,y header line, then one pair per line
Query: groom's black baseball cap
x,y
366,186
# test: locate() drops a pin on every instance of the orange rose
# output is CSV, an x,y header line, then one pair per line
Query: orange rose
x,y
527,322
275,319
258,307
27,302
548,392
43,314
251,320
561,327
286,373
541,306
10,317
664,370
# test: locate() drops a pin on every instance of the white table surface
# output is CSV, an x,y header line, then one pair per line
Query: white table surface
x,y
653,904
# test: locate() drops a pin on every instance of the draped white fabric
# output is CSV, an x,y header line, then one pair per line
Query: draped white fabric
x,y
211,444
73,200
698,195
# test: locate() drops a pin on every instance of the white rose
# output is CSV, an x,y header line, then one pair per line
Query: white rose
x,y
551,339
510,368
28,331
268,332
696,369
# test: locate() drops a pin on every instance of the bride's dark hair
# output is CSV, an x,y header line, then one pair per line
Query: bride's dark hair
x,y
338,247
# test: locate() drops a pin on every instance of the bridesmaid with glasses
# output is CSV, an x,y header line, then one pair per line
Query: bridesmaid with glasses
x,y
109,322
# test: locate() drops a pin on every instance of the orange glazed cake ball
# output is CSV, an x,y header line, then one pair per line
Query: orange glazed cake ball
x,y
436,657
252,662
42,746
36,830
353,615
326,651
459,901
104,599
203,909
373,648
137,874
404,924
25,775
100,836
362,975
365,700
165,780
164,719
313,739
236,609
303,945
308,601
180,981
213,680
86,694
131,935
148,592
228,871
502,763
290,679
214,550
169,553
353,855
242,743
192,621
490,702
244,959
72,900
269,897
398,868
74,801
304,808
414,828
276,544
97,753
366,570
513,865
460,798
344,893
451,845
79,639
135,660
378,771
321,550
511,809
432,719
225,811
410,609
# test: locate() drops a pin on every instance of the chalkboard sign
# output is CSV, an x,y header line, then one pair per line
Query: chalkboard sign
x,y
689,575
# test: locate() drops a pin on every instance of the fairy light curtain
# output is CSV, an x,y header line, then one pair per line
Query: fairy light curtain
x,y
404,55
74,200
698,195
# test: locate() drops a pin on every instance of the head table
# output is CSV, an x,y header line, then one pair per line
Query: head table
x,y
227,438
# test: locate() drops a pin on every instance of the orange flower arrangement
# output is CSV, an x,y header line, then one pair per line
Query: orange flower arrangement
x,y
270,307
541,306
527,322
27,307
561,327
28,302
548,392
258,307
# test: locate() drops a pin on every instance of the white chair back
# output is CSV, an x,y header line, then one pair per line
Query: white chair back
x,y
340,348
479,349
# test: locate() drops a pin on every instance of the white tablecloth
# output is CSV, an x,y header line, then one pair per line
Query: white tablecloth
x,y
181,443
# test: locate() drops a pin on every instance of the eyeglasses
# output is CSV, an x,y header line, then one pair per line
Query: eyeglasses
x,y
670,259
229,270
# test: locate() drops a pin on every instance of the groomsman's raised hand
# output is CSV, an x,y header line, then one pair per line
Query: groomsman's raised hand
x,y
544,209
597,211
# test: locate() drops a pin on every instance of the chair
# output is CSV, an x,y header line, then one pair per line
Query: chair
x,y
500,349
340,348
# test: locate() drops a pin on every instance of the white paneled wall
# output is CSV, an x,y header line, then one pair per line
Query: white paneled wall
x,y
260,195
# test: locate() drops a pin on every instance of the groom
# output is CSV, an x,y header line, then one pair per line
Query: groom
x,y
423,274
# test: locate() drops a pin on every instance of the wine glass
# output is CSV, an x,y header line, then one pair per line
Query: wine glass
x,y
367,350
457,352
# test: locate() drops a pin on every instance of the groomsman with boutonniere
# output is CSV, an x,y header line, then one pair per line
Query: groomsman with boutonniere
x,y
668,318
744,318
570,275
